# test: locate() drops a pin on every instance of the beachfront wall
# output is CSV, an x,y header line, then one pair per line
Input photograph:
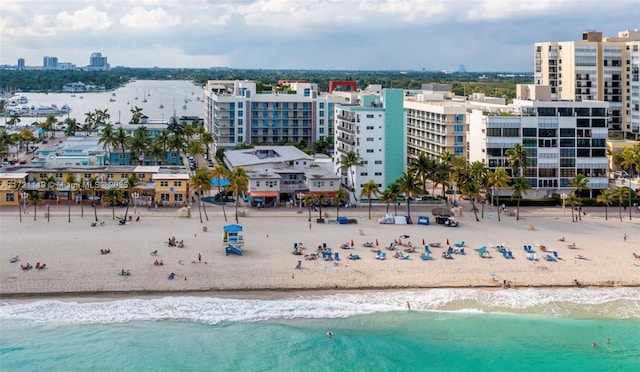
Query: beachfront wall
x,y
10,185
171,189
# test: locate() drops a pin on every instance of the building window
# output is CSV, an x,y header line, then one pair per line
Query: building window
x,y
177,197
177,183
369,139
109,176
370,127
378,173
10,197
257,183
164,183
364,173
86,175
164,197
369,150
370,116
378,162
123,176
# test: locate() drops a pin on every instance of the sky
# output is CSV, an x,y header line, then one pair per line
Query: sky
x,y
482,35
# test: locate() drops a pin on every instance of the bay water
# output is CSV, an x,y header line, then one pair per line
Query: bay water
x,y
435,329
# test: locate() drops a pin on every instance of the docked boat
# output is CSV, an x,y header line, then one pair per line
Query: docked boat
x,y
23,100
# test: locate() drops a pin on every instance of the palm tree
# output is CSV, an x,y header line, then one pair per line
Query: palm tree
x,y
137,115
121,139
220,172
340,197
370,189
519,188
207,139
579,183
409,185
606,198
471,189
572,200
71,185
89,122
101,117
630,159
94,183
349,162
517,159
35,199
155,152
194,148
387,197
423,167
27,136
138,144
133,181
13,119
308,200
238,184
108,138
319,198
498,179
621,193
72,127
478,173
201,181
111,197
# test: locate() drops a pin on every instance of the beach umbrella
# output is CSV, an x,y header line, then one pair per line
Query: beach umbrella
x,y
447,241
422,241
352,243
377,242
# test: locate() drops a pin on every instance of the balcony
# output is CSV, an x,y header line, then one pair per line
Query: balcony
x,y
346,141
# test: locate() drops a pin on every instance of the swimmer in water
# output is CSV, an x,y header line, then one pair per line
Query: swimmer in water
x,y
595,345
330,334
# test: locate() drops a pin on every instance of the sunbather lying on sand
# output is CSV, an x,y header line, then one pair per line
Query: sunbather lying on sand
x,y
581,257
636,255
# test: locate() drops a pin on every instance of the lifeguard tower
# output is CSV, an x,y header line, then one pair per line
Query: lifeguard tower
x,y
233,239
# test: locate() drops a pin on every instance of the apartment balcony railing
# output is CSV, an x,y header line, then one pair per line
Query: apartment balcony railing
x,y
346,141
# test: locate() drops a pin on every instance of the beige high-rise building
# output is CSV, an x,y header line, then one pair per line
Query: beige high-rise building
x,y
596,68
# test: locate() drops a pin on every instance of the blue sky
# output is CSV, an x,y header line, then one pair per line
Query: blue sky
x,y
484,35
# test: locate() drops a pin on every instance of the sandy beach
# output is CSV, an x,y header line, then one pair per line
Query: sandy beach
x,y
75,265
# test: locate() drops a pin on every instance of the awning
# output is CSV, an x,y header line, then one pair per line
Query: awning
x,y
305,193
264,194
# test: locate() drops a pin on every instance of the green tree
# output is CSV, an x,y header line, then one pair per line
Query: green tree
x,y
606,198
138,144
238,184
621,193
108,139
519,188
370,189
111,197
72,183
340,197
423,167
349,162
35,199
388,197
498,180
220,172
201,181
580,183
517,159
409,185
121,140
13,119
137,115
71,127
572,200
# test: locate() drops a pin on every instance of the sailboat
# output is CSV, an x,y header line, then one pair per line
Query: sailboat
x,y
161,105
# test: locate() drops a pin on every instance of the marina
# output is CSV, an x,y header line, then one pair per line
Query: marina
x,y
161,100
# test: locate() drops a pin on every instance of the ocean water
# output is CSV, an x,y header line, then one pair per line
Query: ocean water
x,y
445,329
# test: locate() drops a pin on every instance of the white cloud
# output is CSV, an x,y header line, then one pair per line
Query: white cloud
x,y
139,17
88,18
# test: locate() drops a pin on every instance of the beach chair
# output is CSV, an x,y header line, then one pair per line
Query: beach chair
x,y
378,255
354,257
504,254
481,249
459,243
383,255
426,249
405,257
510,254
555,255
336,256
426,257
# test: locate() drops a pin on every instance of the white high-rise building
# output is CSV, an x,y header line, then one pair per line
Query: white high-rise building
x,y
596,68
562,138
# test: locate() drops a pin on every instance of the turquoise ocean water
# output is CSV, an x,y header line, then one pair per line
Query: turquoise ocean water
x,y
446,329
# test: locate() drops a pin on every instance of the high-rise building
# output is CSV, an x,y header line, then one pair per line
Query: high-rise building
x,y
435,123
236,112
375,129
97,62
49,63
562,138
20,66
596,68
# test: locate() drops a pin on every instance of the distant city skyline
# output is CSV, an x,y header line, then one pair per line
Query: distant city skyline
x,y
482,35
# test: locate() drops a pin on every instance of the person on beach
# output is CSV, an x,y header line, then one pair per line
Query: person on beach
x,y
330,334
199,258
577,283
299,265
625,237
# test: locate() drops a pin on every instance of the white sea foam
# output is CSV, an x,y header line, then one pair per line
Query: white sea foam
x,y
618,303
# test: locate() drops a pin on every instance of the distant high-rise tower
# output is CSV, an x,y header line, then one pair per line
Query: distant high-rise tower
x,y
596,68
97,62
50,63
462,69
20,64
